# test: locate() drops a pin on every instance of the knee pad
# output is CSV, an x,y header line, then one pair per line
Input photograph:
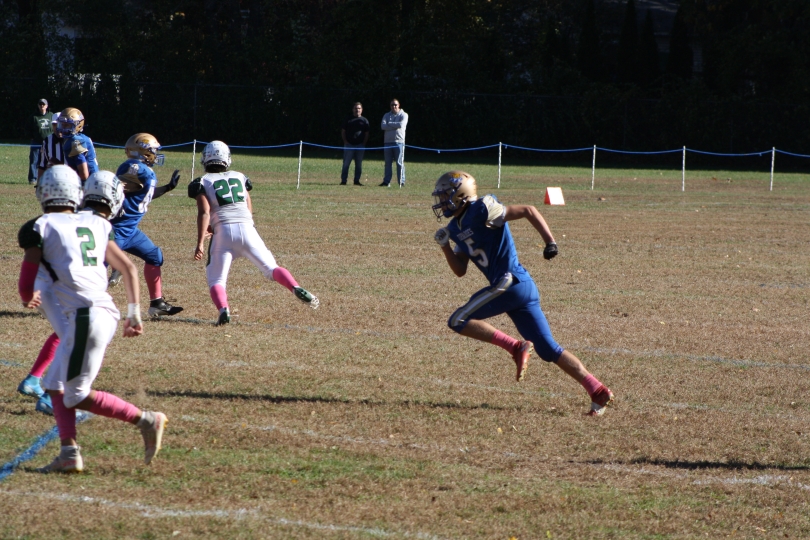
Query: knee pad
x,y
455,323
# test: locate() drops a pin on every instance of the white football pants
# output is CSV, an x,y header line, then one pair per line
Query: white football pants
x,y
234,240
50,307
80,353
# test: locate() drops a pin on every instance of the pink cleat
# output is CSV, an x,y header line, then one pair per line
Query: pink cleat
x,y
521,356
600,400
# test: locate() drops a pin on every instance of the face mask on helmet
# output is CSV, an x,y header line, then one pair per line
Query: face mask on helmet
x,y
216,154
59,186
144,148
104,187
70,122
453,190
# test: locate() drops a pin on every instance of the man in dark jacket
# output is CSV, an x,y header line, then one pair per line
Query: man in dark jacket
x,y
39,128
355,136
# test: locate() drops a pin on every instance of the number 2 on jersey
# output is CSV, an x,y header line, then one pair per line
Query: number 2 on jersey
x,y
87,245
229,191
483,261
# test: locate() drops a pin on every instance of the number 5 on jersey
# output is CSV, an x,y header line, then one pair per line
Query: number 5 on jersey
x,y
229,191
483,262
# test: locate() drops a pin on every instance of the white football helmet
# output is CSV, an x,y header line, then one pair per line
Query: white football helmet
x,y
106,188
216,153
453,190
59,186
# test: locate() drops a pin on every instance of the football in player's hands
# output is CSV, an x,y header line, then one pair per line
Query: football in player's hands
x,y
175,179
442,236
551,251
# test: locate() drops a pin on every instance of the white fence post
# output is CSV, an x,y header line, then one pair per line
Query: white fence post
x,y
593,168
193,157
500,149
300,149
683,171
773,158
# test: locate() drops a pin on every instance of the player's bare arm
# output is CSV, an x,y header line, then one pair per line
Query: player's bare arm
x,y
119,261
525,211
203,220
83,171
31,259
456,261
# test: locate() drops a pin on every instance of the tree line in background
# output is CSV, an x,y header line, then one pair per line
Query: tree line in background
x,y
538,73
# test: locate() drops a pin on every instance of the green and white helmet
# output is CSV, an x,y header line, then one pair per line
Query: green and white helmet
x,y
106,188
59,186
216,153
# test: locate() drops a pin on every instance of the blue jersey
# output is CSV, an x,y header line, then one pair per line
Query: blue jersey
x,y
79,149
482,234
136,203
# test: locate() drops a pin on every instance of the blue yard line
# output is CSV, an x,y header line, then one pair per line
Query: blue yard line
x,y
32,451
10,363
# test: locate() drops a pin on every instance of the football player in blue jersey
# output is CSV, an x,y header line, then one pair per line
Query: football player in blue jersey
x,y
140,187
78,149
480,232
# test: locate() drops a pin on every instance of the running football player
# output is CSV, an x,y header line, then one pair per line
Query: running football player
x,y
224,207
140,187
480,232
75,245
78,149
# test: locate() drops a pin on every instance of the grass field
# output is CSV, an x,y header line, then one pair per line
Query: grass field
x,y
369,418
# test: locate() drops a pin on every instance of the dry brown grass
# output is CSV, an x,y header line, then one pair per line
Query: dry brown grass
x,y
369,418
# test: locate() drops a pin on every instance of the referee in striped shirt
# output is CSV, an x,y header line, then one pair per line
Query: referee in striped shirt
x,y
50,153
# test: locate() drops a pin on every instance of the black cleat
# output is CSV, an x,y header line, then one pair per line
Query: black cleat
x,y
158,307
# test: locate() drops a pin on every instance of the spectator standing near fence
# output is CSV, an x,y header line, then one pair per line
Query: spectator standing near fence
x,y
393,125
355,136
39,128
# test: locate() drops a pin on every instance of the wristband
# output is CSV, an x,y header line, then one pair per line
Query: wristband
x,y
134,313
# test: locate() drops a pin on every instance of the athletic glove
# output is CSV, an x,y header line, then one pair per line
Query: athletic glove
x,y
174,181
442,236
550,252
248,184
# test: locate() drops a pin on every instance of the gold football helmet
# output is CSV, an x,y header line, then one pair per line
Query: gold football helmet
x,y
144,147
453,190
70,122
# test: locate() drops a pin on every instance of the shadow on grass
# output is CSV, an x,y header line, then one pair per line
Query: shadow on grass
x,y
704,465
19,314
227,396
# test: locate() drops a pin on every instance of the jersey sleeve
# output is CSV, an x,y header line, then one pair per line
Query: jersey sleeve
x,y
28,236
496,212
195,188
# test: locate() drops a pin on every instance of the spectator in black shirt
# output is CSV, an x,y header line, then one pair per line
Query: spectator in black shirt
x,y
355,136
39,127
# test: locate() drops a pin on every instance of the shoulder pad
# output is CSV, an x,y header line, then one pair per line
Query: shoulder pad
x,y
248,184
195,188
28,237
76,148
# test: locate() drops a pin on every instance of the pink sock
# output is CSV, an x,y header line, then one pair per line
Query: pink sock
x,y
503,341
219,296
152,275
65,418
111,406
283,276
591,384
46,355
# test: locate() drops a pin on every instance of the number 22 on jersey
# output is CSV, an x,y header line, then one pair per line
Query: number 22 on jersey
x,y
229,191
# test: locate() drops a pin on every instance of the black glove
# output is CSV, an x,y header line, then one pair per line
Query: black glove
x,y
248,184
550,252
174,181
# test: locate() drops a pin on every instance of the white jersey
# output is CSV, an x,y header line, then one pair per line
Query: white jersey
x,y
227,195
73,249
